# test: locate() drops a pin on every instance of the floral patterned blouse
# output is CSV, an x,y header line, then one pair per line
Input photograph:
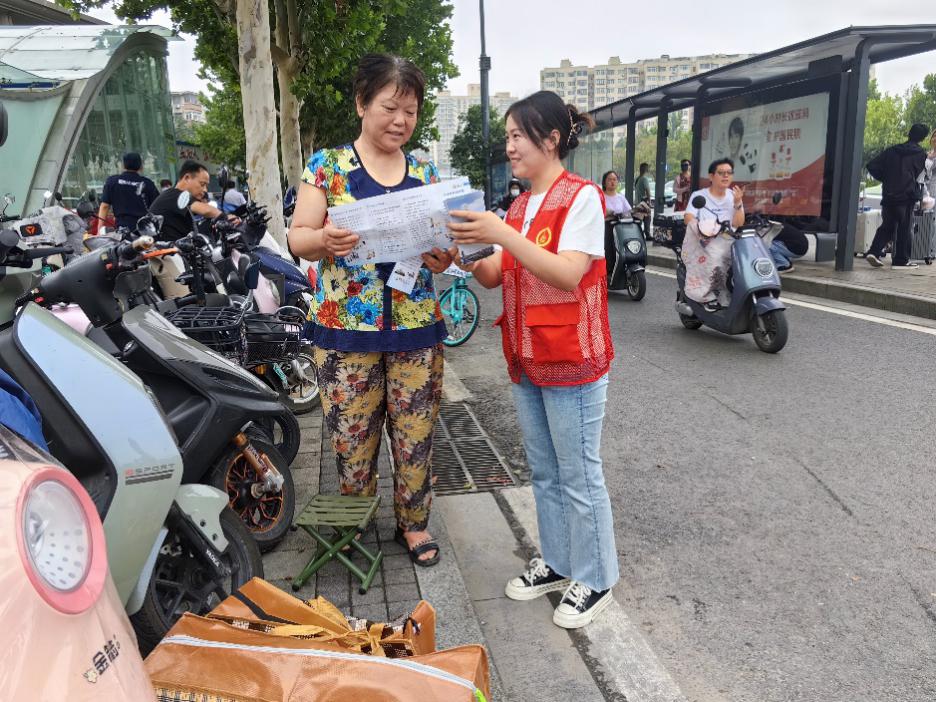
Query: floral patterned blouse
x,y
354,309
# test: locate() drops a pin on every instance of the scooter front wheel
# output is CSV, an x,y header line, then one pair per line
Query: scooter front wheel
x,y
770,331
637,285
267,515
180,583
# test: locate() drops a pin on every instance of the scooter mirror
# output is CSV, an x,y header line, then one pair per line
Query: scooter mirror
x,y
47,194
223,176
184,199
777,197
252,275
91,195
698,202
3,124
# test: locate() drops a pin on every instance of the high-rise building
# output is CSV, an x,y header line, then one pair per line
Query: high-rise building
x,y
449,109
588,87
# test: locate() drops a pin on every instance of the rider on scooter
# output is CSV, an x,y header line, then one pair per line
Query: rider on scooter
x,y
706,251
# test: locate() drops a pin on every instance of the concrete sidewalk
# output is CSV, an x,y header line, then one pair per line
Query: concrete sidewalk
x,y
485,538
910,292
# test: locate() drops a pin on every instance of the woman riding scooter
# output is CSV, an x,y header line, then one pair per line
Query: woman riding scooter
x,y
706,250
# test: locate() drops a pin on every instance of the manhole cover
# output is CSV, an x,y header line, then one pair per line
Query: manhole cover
x,y
463,457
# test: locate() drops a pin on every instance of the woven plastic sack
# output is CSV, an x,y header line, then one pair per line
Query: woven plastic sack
x,y
210,660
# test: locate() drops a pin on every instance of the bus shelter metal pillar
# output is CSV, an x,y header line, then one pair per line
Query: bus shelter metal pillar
x,y
849,170
697,138
630,151
659,197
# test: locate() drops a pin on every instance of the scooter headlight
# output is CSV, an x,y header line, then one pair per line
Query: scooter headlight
x,y
633,246
764,267
61,541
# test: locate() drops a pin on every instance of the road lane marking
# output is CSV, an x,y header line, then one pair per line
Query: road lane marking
x,y
797,301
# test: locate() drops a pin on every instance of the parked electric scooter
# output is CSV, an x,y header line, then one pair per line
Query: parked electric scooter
x,y
628,269
59,599
172,547
753,282
210,403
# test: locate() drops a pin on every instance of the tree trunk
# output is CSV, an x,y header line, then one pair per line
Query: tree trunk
x,y
289,129
256,75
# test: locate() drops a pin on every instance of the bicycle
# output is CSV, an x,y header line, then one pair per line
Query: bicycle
x,y
461,310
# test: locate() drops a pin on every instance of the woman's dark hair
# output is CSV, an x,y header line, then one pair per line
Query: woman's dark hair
x,y
542,113
604,179
376,71
736,127
713,166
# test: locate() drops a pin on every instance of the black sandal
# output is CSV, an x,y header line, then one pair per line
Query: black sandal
x,y
419,549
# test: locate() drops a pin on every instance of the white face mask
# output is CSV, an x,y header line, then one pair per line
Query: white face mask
x,y
514,192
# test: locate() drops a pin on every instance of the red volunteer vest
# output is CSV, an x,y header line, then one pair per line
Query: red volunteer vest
x,y
554,337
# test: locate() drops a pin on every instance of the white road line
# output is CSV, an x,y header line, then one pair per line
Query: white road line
x,y
797,301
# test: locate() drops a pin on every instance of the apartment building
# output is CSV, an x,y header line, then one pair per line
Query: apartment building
x,y
449,108
588,87
187,107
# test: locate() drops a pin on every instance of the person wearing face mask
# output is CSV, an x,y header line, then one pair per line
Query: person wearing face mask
x,y
683,185
514,191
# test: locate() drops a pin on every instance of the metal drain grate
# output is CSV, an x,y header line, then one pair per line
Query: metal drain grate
x,y
463,457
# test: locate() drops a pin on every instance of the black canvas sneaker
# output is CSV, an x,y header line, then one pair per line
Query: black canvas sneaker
x,y
537,580
580,605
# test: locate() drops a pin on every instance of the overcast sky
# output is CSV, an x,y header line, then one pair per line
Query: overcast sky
x,y
524,36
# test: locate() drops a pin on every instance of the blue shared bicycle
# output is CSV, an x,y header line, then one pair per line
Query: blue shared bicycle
x,y
461,311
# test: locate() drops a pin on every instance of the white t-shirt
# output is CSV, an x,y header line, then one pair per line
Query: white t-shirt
x,y
723,207
584,224
617,204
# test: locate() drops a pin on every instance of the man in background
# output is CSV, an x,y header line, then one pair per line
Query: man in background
x,y
129,195
899,168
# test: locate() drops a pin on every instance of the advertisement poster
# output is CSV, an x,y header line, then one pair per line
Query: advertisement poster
x,y
778,146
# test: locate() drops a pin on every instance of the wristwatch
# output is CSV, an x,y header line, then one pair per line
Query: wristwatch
x,y
739,206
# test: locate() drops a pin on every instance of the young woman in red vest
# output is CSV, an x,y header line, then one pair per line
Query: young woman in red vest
x,y
550,263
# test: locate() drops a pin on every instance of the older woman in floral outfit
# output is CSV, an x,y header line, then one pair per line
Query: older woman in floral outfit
x,y
378,350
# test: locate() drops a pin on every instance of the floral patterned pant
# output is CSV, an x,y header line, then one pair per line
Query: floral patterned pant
x,y
361,391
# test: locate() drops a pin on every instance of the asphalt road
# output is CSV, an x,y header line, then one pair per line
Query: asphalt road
x,y
774,514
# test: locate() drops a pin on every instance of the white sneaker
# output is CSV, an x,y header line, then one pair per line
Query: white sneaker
x,y
537,580
874,261
580,605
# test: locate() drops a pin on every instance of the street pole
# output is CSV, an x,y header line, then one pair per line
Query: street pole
x,y
485,65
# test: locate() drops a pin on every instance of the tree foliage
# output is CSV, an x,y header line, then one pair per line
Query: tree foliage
x,y
335,34
921,104
222,135
417,30
467,152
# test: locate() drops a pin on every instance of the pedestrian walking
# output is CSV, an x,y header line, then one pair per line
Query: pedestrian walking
x,y
899,168
129,194
378,350
557,343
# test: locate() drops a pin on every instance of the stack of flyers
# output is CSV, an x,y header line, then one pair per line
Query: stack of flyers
x,y
473,201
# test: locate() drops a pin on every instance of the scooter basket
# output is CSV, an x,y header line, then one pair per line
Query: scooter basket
x,y
221,329
272,338
669,231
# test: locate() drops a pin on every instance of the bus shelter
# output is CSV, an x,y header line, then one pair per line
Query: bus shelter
x,y
792,120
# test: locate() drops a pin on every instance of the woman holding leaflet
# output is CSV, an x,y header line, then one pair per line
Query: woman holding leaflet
x,y
557,343
378,350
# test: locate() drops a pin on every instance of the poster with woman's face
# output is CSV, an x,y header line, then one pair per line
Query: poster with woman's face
x,y
776,147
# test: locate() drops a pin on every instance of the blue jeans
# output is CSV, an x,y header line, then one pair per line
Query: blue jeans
x,y
781,255
562,437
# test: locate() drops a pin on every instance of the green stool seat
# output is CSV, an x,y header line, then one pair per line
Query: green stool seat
x,y
346,516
